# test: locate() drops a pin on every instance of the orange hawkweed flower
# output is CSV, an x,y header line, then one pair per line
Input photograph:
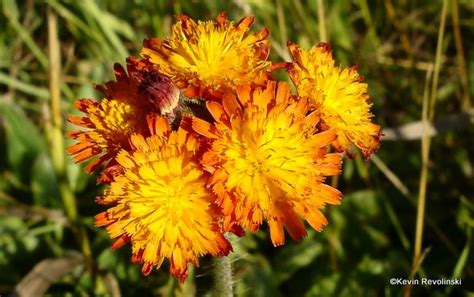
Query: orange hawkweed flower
x,y
267,161
211,56
338,94
160,202
111,121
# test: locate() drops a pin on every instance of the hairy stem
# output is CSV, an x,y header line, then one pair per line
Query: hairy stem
x,y
223,279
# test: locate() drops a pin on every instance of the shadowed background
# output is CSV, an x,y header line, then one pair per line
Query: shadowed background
x,y
416,57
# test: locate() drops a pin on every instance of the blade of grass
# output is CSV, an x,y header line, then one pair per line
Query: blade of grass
x,y
390,175
420,215
364,7
397,182
304,19
56,134
462,261
281,23
466,100
26,36
17,47
23,86
392,15
89,28
323,36
103,20
429,103
396,224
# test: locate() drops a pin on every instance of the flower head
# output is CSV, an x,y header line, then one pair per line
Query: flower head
x,y
267,161
210,56
339,94
160,203
111,121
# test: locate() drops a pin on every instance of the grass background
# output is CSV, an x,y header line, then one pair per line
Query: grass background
x,y
417,67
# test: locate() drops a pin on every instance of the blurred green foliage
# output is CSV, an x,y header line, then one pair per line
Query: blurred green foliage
x,y
370,236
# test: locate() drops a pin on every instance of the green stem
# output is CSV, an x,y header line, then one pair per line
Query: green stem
x,y
57,137
429,103
428,114
323,36
189,288
223,279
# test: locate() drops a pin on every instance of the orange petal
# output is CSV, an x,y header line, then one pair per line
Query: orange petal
x,y
237,230
302,107
316,219
192,92
295,51
283,92
84,155
244,94
324,138
81,121
266,95
216,110
84,104
280,65
224,245
204,128
147,268
121,241
158,125
244,24
92,166
137,256
293,224
230,104
277,234
313,119
102,219
78,147
331,164
150,43
326,47
330,194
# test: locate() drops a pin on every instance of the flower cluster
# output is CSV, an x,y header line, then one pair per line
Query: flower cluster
x,y
196,139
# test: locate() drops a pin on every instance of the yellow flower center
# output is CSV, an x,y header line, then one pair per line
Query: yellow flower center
x,y
211,55
339,94
167,192
162,204
266,158
267,161
114,120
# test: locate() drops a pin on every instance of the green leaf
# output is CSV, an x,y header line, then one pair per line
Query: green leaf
x,y
296,255
43,182
23,140
363,203
257,280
